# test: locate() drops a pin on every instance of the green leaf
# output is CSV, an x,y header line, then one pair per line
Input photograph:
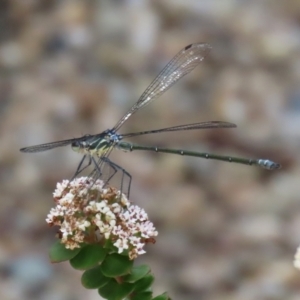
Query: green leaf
x,y
163,296
89,256
137,273
59,253
116,265
114,291
93,278
142,296
144,283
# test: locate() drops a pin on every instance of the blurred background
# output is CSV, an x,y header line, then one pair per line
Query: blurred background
x,y
69,68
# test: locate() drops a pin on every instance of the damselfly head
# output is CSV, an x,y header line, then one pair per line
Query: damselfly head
x,y
82,145
78,146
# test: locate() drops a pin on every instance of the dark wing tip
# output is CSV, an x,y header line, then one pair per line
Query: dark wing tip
x,y
204,45
188,46
224,124
23,149
30,150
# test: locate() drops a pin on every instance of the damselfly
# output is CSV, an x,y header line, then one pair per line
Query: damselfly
x,y
97,148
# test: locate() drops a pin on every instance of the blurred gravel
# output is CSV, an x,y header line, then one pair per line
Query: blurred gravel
x,y
74,67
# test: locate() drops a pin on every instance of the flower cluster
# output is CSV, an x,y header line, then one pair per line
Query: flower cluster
x,y
86,212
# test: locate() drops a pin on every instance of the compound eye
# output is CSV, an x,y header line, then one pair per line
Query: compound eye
x,y
76,146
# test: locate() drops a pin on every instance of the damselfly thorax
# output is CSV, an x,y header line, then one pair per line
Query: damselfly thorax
x,y
96,145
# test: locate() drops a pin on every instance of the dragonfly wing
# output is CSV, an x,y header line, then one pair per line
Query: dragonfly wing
x,y
194,126
183,63
48,146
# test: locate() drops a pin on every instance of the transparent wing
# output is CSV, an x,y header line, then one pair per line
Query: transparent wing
x,y
48,146
200,125
183,63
